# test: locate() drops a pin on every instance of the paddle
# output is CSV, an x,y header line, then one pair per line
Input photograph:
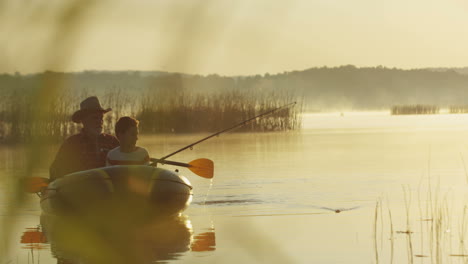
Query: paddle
x,y
201,167
34,184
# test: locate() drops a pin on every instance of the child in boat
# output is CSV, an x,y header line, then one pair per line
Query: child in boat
x,y
126,130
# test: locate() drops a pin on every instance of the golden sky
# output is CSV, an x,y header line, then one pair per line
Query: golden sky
x,y
230,37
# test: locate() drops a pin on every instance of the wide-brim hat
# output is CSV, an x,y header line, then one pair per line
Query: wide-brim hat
x,y
89,106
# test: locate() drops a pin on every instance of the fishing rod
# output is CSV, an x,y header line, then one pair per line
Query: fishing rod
x,y
227,129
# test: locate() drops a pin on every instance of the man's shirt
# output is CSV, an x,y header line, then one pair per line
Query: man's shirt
x,y
80,152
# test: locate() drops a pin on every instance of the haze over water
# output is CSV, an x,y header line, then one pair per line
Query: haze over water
x,y
346,188
357,188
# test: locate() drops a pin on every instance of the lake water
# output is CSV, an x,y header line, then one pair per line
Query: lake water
x,y
357,188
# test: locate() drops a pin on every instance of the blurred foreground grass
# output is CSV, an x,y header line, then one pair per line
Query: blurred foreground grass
x,y
60,46
36,116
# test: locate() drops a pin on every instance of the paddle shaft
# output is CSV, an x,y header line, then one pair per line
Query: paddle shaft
x,y
175,163
227,129
201,167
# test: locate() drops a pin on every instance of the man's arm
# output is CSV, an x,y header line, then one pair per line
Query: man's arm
x,y
63,162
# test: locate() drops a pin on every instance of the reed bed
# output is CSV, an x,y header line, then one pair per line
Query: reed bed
x,y
179,113
163,111
20,124
415,110
458,109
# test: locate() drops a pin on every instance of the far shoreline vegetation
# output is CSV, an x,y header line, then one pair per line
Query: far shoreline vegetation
x,y
183,103
162,107
426,109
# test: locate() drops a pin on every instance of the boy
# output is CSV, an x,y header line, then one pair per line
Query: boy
x,y
126,130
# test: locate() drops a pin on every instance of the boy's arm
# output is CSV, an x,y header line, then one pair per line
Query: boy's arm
x,y
109,158
146,160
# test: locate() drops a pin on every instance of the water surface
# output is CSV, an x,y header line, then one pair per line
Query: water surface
x,y
357,188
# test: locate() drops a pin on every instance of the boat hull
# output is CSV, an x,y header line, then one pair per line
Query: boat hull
x,y
118,191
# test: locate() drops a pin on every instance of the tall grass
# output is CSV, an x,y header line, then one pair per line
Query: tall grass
x,y
414,110
458,109
159,112
38,113
26,114
181,113
441,237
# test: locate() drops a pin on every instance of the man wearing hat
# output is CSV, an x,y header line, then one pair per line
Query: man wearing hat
x,y
88,149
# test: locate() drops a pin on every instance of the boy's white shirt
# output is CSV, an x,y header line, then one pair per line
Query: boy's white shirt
x,y
138,157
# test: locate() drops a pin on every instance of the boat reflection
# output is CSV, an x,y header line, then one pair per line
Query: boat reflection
x,y
204,242
72,241
33,238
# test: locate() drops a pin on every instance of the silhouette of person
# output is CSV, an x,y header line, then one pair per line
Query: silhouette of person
x,y
87,149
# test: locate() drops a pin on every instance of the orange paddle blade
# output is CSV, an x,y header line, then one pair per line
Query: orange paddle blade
x,y
35,184
202,167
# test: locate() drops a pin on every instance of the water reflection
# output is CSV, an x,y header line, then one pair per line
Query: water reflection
x,y
229,202
33,239
337,210
74,241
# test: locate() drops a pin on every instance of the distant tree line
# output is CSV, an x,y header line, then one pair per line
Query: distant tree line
x,y
376,88
345,87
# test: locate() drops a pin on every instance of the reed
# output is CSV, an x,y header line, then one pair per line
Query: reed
x,y
439,242
461,234
458,109
464,166
414,110
407,198
376,215
392,237
160,111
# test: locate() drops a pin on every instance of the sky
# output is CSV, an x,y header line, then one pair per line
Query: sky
x,y
225,37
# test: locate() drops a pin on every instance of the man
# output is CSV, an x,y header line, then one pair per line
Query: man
x,y
88,149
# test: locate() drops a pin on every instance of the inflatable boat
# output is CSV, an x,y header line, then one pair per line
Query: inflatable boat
x,y
118,191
